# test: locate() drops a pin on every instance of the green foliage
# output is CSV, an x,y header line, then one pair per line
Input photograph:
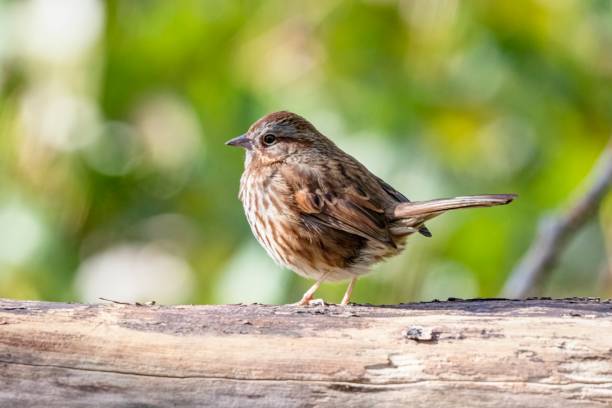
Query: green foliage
x,y
112,155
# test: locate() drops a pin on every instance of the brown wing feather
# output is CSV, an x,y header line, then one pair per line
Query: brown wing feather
x,y
346,212
340,204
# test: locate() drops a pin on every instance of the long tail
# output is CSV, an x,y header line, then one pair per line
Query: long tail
x,y
425,210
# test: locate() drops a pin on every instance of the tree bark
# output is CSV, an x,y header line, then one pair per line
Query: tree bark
x,y
476,353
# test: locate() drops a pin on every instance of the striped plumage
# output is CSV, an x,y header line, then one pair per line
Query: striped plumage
x,y
318,211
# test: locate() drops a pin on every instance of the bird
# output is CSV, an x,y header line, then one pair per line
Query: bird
x,y
318,211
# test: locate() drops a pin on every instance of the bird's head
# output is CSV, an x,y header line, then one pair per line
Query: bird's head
x,y
277,136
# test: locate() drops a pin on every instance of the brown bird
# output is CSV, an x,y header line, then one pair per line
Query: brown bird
x,y
318,211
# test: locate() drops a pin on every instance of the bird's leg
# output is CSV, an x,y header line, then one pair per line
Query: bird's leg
x,y
310,292
349,290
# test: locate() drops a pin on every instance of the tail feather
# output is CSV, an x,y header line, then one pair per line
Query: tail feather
x,y
429,209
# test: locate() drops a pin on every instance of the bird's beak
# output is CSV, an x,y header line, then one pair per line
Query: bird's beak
x,y
240,141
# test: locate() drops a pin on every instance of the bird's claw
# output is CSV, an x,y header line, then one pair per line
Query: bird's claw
x,y
310,302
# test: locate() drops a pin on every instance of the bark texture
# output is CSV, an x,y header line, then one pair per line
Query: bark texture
x,y
476,353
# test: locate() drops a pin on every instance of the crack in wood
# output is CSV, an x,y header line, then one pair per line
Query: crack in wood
x,y
339,384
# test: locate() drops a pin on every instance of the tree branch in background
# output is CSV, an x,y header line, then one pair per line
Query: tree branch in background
x,y
532,272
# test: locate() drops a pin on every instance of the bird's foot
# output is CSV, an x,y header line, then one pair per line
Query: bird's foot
x,y
345,302
347,295
310,302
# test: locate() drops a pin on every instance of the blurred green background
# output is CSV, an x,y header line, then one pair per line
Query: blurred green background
x,y
114,180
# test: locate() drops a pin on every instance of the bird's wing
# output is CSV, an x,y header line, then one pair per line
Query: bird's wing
x,y
344,206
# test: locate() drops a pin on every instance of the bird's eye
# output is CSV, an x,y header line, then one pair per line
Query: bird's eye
x,y
269,139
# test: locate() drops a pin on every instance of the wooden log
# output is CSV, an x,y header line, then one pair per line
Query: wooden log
x,y
476,353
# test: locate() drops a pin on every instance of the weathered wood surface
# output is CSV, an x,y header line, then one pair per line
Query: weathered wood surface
x,y
493,353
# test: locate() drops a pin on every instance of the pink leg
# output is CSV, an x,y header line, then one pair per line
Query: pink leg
x,y
347,294
310,292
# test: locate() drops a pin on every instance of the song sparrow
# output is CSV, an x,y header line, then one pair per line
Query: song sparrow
x,y
321,213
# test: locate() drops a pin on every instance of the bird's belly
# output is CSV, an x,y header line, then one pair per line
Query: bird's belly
x,y
313,254
281,232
